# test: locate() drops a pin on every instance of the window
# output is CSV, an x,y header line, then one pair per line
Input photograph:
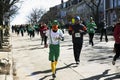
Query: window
x,y
115,3
74,2
119,3
111,3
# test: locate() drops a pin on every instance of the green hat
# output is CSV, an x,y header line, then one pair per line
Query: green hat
x,y
55,22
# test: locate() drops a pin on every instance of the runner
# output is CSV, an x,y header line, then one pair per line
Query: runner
x,y
78,30
55,35
91,27
116,35
43,30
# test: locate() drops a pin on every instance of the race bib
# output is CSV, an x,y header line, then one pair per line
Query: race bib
x,y
77,35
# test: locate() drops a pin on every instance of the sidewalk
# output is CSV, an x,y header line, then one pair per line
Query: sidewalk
x,y
4,75
6,58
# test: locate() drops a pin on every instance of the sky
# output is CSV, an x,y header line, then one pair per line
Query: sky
x,y
27,7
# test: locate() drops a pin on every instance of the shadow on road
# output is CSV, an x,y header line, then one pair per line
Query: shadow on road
x,y
101,54
101,58
29,47
66,45
49,71
34,48
104,74
45,77
114,77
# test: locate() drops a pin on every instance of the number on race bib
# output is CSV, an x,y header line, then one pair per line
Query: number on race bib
x,y
77,34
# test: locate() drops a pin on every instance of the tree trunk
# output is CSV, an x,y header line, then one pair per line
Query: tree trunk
x,y
1,32
1,39
1,20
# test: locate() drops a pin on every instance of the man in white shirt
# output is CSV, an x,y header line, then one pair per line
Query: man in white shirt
x,y
55,35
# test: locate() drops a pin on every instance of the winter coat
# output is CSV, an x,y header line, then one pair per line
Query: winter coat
x,y
116,33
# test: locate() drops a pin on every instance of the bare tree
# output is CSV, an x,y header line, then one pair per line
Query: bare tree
x,y
35,15
94,6
9,7
50,15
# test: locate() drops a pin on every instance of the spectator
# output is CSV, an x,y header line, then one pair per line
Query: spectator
x,y
103,30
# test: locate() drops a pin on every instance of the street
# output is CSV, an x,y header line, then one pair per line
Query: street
x,y
31,60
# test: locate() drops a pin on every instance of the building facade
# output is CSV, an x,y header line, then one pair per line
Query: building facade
x,y
72,8
112,11
108,10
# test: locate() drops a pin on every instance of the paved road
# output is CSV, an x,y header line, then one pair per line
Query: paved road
x,y
32,63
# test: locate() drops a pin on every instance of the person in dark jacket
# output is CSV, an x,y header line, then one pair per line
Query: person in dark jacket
x,y
22,30
116,35
78,30
43,30
103,30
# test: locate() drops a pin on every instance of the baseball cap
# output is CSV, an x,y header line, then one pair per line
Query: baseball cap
x,y
77,18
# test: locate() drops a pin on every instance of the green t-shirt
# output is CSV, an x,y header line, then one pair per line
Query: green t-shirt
x,y
91,26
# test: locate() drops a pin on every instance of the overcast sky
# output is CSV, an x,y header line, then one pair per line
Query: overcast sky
x,y
28,5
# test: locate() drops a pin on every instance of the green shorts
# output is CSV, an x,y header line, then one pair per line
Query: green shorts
x,y
54,52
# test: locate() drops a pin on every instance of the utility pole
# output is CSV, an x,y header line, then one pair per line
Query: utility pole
x,y
104,9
